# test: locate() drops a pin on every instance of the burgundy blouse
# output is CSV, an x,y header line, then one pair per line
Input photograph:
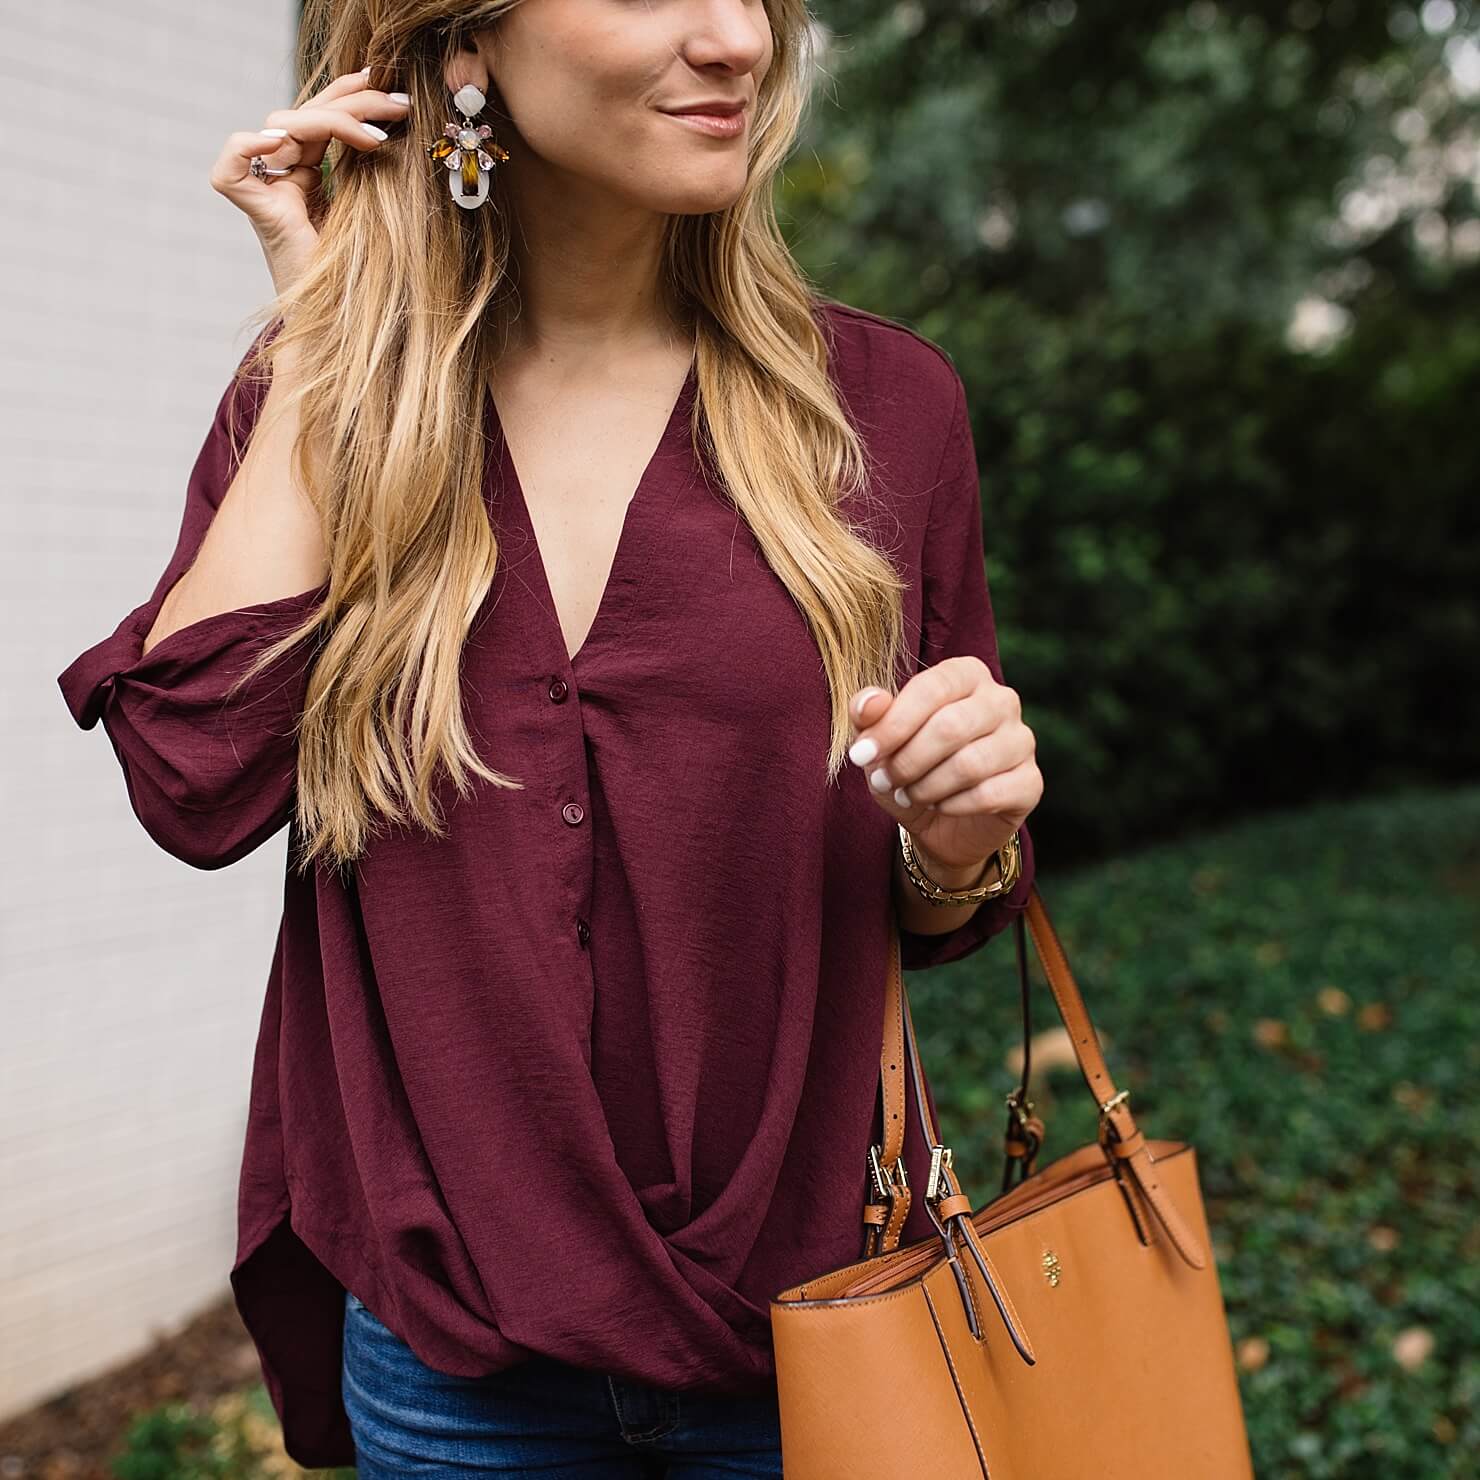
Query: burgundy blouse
x,y
595,1074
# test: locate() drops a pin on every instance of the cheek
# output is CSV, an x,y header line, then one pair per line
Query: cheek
x,y
615,144
582,92
585,98
614,137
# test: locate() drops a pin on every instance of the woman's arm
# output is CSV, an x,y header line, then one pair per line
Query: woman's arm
x,y
956,618
264,540
210,774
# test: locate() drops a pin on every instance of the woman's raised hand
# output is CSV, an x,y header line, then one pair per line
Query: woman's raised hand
x,y
950,759
298,138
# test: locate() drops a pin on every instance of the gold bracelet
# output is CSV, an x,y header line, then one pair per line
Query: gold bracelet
x,y
1009,863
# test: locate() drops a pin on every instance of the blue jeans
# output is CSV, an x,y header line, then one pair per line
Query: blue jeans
x,y
541,1417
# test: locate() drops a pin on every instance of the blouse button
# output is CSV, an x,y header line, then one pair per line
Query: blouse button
x,y
573,812
583,931
558,690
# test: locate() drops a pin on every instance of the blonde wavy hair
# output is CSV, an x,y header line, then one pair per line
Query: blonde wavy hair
x,y
395,325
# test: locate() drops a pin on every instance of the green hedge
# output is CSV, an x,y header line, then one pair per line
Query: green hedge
x,y
1230,573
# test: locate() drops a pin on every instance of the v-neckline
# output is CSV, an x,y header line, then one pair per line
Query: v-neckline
x,y
626,562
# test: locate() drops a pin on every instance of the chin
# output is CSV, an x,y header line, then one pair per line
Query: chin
x,y
698,197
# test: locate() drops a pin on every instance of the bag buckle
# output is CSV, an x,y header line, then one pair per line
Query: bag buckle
x,y
1019,1105
888,1181
1104,1125
940,1159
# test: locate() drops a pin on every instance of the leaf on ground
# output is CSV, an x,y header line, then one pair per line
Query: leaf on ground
x,y
1270,1033
1413,1347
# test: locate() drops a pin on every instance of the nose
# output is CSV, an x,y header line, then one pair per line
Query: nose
x,y
733,36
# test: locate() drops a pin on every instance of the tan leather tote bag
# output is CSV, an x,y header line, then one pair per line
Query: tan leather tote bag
x,y
1072,1328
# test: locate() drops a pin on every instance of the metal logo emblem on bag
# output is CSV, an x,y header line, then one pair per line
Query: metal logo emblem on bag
x,y
1051,1266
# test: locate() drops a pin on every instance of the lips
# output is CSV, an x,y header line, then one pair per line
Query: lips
x,y
718,118
716,108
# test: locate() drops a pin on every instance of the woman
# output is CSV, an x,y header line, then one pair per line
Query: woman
x,y
568,1060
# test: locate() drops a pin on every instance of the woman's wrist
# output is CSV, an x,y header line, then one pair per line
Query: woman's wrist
x,y
920,915
994,876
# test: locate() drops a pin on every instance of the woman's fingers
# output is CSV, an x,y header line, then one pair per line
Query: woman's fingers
x,y
992,754
293,142
341,109
351,119
233,166
941,752
929,690
305,137
1001,793
347,83
365,103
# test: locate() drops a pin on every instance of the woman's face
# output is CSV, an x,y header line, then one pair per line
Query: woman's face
x,y
593,88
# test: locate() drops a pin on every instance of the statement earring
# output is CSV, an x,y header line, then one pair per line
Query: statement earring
x,y
462,149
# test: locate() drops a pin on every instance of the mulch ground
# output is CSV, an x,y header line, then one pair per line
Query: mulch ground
x,y
74,1435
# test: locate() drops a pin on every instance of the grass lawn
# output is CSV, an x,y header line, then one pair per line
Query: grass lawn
x,y
1297,997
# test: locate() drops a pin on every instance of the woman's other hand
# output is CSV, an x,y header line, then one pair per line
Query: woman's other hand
x,y
950,758
298,138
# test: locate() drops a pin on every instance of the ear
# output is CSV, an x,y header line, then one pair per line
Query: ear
x,y
468,63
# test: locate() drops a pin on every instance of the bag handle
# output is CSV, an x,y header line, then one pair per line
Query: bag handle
x,y
1123,1143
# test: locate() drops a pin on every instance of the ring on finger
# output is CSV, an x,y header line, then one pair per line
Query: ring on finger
x,y
264,171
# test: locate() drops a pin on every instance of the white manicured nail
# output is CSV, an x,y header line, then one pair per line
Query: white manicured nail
x,y
275,133
863,751
399,97
375,133
902,797
879,780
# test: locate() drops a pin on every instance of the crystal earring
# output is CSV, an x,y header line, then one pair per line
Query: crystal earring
x,y
462,149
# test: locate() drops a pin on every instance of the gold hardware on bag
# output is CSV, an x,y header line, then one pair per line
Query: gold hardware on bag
x,y
1021,1106
940,1158
888,1181
1104,1129
1051,1266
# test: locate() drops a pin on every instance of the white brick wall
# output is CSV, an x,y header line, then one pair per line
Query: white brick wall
x,y
131,983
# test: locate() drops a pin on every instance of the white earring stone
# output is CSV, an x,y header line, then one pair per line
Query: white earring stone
x,y
468,202
469,100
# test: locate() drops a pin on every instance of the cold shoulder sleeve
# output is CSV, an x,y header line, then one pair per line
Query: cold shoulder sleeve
x,y
956,618
209,776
